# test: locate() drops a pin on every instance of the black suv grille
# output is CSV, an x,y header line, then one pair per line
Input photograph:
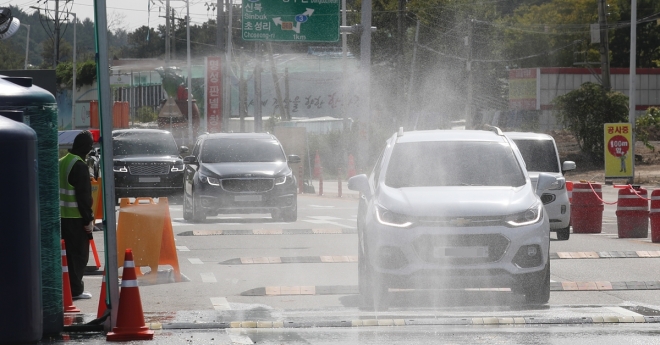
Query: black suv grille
x,y
149,169
238,185
425,247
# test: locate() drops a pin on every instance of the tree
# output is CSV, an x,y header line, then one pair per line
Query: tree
x,y
145,42
584,112
648,36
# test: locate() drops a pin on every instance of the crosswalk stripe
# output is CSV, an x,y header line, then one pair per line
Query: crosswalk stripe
x,y
182,248
195,261
208,277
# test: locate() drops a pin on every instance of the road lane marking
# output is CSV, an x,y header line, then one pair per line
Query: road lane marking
x,y
195,261
353,289
208,277
623,311
314,231
237,338
319,221
220,303
182,248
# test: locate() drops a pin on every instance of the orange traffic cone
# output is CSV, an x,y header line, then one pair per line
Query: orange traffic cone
x,y
351,167
66,285
130,318
317,166
102,306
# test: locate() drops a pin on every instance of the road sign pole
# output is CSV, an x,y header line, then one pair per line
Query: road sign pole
x,y
364,116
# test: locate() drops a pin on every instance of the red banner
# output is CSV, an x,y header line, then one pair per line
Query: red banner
x,y
213,94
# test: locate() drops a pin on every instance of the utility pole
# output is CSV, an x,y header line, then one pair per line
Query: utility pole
x,y
604,45
167,32
56,41
632,101
257,96
173,48
399,67
220,28
364,116
276,81
469,113
412,77
242,93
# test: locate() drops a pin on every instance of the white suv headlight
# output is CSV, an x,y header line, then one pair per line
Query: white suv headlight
x,y
532,215
386,217
177,167
119,168
210,180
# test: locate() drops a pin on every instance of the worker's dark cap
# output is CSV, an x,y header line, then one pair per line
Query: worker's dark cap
x,y
83,141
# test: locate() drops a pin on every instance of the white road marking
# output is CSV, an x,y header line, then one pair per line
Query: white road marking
x,y
323,217
208,277
195,261
237,338
623,311
328,222
220,303
321,206
182,248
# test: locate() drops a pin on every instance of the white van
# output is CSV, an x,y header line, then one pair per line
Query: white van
x,y
540,154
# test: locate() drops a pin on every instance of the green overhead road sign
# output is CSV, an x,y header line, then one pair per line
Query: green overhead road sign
x,y
291,20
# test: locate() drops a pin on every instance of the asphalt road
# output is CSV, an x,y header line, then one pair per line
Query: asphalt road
x,y
252,280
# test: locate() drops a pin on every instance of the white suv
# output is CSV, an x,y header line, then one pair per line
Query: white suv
x,y
540,154
451,209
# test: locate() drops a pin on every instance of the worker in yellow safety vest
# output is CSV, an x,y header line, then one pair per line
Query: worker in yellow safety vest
x,y
76,215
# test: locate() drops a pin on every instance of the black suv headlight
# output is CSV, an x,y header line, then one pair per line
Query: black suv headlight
x,y
210,180
177,167
389,218
532,215
282,179
119,168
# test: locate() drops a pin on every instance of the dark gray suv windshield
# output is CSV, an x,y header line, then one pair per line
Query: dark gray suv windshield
x,y
141,143
244,150
444,163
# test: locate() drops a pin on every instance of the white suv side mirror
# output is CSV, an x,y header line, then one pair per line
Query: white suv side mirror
x,y
360,183
568,165
544,182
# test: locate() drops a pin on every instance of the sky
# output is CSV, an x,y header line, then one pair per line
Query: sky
x,y
133,13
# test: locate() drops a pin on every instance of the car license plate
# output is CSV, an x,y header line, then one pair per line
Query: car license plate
x,y
149,179
460,252
247,198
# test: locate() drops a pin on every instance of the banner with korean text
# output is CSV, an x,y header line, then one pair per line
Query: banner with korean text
x,y
618,150
213,93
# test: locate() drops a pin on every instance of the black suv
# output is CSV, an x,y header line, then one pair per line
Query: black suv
x,y
239,173
147,163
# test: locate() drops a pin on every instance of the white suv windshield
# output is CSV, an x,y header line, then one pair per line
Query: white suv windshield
x,y
539,155
445,163
227,150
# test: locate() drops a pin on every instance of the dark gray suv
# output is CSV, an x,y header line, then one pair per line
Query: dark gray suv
x,y
239,173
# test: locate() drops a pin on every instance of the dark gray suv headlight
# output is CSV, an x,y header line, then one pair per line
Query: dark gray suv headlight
x,y
282,179
389,218
532,215
210,180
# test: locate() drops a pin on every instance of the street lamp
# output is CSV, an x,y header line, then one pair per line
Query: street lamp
x,y
27,44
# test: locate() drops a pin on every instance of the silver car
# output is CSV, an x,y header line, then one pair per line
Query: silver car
x,y
451,209
540,154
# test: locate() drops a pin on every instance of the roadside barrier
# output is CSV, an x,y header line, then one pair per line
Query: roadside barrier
x,y
95,253
321,181
102,296
97,198
66,285
351,167
301,180
317,165
339,182
654,215
146,227
632,213
587,208
569,191
130,318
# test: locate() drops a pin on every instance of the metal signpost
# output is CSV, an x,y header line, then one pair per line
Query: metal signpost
x,y
291,20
